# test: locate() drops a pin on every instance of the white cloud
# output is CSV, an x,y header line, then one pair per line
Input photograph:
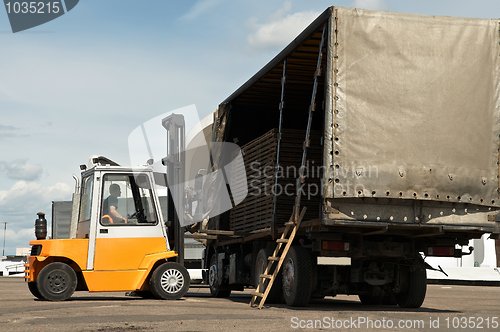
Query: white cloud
x,y
19,206
20,170
30,197
199,8
370,4
280,29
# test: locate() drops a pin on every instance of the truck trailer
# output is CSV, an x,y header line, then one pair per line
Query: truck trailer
x,y
385,128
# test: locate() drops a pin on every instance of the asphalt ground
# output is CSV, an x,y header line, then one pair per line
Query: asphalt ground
x,y
446,308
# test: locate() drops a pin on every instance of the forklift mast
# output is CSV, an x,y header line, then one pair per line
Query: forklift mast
x,y
174,162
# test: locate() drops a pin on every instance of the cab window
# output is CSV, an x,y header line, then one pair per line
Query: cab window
x,y
127,200
86,198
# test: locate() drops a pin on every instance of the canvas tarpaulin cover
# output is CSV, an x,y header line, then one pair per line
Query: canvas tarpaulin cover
x,y
414,106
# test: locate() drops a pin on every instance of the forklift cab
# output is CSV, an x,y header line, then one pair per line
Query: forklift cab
x,y
121,242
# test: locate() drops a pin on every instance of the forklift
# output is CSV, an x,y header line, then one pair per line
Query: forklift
x,y
118,238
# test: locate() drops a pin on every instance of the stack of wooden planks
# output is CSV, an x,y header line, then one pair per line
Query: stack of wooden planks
x,y
255,212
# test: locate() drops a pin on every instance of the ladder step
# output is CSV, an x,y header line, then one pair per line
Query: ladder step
x,y
267,276
271,258
290,223
282,241
258,294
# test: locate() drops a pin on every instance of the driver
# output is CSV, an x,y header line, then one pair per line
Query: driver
x,y
109,209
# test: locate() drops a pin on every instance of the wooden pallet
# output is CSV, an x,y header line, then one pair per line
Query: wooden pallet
x,y
256,211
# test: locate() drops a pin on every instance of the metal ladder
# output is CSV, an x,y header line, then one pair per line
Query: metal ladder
x,y
296,218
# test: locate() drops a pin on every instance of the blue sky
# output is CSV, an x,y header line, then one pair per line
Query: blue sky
x,y
78,85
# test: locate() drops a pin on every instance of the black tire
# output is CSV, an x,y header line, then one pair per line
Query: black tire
x,y
216,289
413,285
169,281
56,282
34,290
297,277
261,262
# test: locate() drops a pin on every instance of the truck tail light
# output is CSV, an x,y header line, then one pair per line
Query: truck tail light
x,y
441,251
335,245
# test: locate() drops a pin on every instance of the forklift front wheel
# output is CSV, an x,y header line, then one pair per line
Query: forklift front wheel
x,y
170,281
34,290
56,282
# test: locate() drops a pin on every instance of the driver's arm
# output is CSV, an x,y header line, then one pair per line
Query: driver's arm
x,y
114,213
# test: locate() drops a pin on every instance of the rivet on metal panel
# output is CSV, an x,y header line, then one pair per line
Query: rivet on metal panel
x,y
437,196
481,200
365,216
374,193
400,194
388,193
337,153
391,218
359,192
359,172
448,197
401,173
450,176
344,193
415,195
426,195
483,180
459,198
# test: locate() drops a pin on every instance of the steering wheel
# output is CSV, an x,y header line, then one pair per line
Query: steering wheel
x,y
139,214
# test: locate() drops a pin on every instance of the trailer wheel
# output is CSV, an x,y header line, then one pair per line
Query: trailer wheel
x,y
34,290
216,289
413,285
169,281
56,282
261,262
297,277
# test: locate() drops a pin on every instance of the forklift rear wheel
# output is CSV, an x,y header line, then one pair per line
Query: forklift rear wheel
x,y
34,290
169,281
213,280
56,282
